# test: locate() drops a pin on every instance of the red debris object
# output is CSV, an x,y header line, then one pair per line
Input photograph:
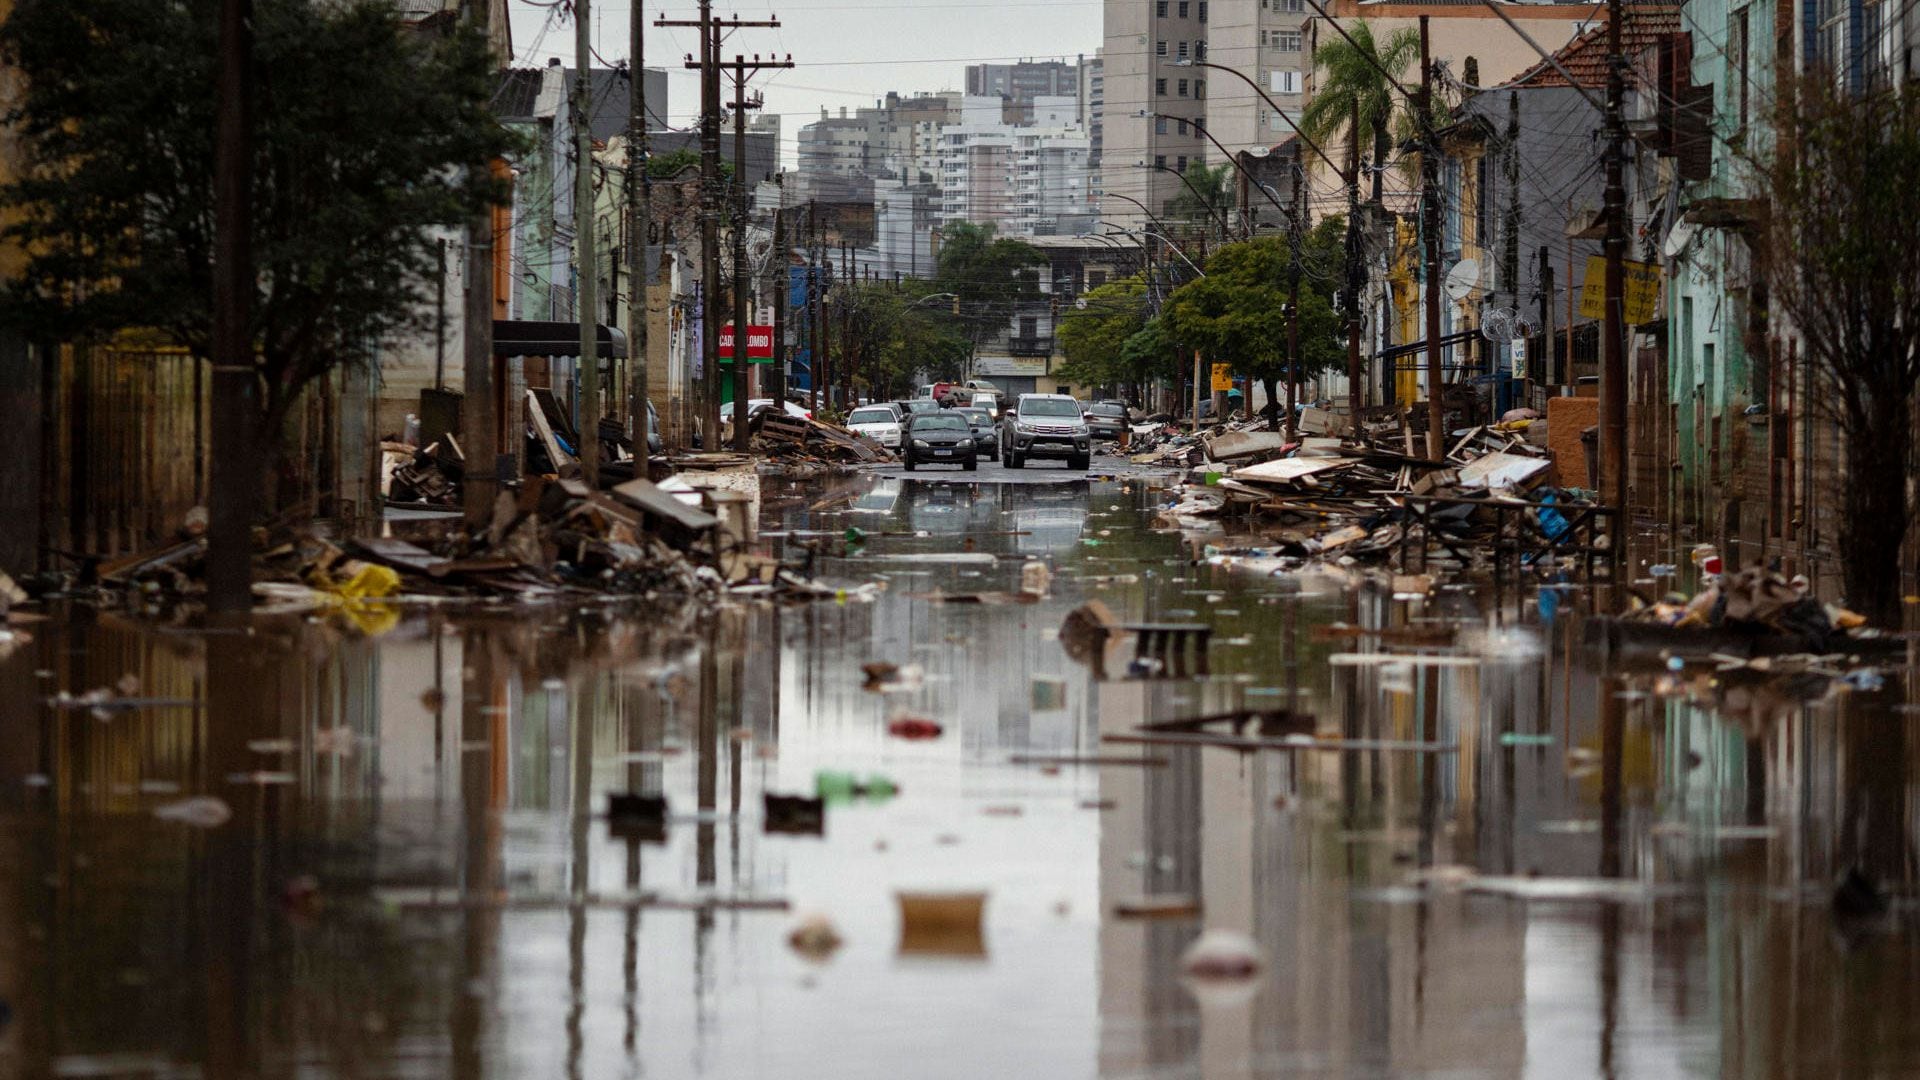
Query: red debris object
x,y
913,727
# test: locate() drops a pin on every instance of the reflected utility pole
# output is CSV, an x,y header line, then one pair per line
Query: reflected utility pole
x,y
236,473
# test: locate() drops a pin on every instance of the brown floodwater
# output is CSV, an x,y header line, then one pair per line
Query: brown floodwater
x,y
1595,873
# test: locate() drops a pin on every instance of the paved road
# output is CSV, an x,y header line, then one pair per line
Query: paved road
x,y
1038,471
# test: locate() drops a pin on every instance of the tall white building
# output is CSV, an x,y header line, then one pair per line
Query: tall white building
x,y
1267,40
1024,179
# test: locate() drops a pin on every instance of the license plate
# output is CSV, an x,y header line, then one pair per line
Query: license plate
x,y
943,453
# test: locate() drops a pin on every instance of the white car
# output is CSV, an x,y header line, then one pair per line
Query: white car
x,y
877,422
754,405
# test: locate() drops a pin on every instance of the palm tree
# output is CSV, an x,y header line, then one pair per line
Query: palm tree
x,y
1206,193
1354,75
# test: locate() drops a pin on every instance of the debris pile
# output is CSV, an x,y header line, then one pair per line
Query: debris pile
x,y
803,446
1753,613
1494,496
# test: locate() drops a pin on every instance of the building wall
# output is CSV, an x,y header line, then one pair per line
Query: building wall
x,y
1131,67
1260,38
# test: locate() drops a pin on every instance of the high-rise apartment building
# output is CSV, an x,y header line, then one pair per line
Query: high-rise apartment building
x,y
1024,179
1019,84
1154,103
1267,40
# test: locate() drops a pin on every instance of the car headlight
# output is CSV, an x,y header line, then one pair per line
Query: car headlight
x,y
920,444
1022,428
964,444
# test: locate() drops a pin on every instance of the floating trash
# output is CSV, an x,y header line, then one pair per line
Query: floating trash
x,y
200,812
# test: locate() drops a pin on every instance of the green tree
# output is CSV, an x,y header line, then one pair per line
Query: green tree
x,y
365,135
1353,75
1112,339
674,162
1236,314
991,276
903,331
1206,196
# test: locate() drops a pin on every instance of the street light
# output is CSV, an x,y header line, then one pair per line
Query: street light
x,y
1232,159
1315,147
1202,199
1157,236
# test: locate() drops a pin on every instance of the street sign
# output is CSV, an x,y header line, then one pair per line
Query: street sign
x,y
1518,357
759,344
1643,290
1222,377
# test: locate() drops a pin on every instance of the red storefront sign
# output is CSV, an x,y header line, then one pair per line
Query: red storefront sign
x,y
759,343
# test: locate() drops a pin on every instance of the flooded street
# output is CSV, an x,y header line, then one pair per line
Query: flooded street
x,y
1520,864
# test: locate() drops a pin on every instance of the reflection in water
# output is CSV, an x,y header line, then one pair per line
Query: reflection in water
x,y
418,877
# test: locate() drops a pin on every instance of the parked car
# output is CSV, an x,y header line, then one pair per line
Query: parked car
x,y
941,437
878,422
915,406
986,435
1106,419
1046,426
754,405
988,401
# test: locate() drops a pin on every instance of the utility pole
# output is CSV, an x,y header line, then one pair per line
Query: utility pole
x,y
1430,228
778,272
710,196
585,301
743,207
1613,357
1356,273
1547,372
479,426
236,473
809,320
1294,227
639,230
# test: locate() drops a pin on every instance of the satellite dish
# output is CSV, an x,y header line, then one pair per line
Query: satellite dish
x,y
1677,239
1463,278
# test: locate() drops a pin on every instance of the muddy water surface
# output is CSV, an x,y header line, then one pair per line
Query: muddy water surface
x,y
1592,875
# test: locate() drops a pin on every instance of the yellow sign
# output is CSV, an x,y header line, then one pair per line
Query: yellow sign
x,y
1222,377
1643,290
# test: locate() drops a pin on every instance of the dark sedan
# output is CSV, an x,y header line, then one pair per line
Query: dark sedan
x,y
986,434
1106,419
940,438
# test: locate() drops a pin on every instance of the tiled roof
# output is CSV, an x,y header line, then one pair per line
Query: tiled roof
x,y
1585,57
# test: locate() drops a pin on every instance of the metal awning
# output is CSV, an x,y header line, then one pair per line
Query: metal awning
x,y
520,337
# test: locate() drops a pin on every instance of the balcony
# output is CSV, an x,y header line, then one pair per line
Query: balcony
x,y
1030,346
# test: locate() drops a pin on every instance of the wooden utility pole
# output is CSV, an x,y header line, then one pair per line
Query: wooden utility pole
x,y
777,272
808,319
585,288
1356,273
1430,229
479,422
639,230
1548,373
236,476
743,210
1613,357
1295,227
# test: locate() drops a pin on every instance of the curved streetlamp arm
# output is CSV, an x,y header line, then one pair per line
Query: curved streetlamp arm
x,y
1164,240
1314,146
1201,199
1233,159
1134,201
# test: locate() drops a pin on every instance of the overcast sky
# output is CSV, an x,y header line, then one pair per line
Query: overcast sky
x,y
845,52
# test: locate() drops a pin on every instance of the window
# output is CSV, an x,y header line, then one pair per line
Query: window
x,y
1199,88
1199,50
1183,8
1203,10
1283,82
1159,125
1199,125
1183,87
1286,40
1183,50
1159,161
1096,278
1181,126
1160,9
1294,7
1160,48
1160,87
1181,163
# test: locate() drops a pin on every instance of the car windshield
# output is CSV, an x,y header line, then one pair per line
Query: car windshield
x,y
921,406
977,416
1109,410
940,422
871,416
1049,407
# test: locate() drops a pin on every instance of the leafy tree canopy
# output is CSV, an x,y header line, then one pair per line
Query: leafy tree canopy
x,y
1206,196
1237,313
991,275
365,134
672,163
1107,341
902,334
